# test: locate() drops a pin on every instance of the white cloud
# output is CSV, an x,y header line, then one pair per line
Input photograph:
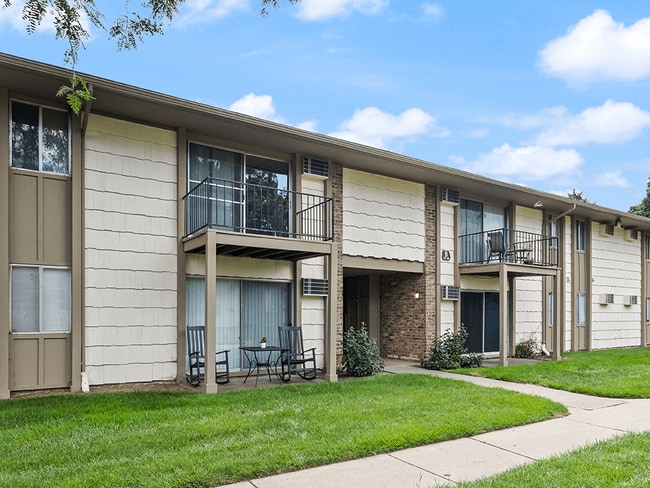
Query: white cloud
x,y
327,9
309,125
202,11
432,12
527,163
612,178
373,127
256,105
598,48
12,17
262,106
612,122
544,118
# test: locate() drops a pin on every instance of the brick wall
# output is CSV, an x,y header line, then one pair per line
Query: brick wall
x,y
408,324
336,192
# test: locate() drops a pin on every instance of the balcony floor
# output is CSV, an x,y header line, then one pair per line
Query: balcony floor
x,y
257,246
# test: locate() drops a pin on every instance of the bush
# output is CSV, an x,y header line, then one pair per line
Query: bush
x,y
449,352
527,349
360,353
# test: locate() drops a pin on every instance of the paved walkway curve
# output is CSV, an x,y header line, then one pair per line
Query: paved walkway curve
x,y
590,419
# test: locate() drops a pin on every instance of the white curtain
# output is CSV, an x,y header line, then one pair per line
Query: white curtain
x,y
55,300
24,299
246,311
40,299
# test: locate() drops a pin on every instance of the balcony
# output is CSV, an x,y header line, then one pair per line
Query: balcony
x,y
258,213
509,246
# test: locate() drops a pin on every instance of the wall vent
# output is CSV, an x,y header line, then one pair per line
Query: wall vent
x,y
450,195
606,298
450,292
315,167
315,287
606,230
631,300
631,235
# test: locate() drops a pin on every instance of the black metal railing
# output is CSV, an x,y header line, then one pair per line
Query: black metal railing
x,y
509,245
243,207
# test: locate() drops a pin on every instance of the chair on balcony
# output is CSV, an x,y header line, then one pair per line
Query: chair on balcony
x,y
496,246
294,358
196,355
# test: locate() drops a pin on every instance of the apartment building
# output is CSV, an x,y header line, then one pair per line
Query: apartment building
x,y
112,221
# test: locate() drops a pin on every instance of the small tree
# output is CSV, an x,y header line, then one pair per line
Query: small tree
x,y
360,353
643,208
578,196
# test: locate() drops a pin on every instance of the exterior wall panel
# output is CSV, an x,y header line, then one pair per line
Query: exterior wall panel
x,y
615,270
382,217
23,218
130,252
529,301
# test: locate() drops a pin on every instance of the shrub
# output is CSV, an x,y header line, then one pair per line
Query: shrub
x,y
527,349
449,352
360,353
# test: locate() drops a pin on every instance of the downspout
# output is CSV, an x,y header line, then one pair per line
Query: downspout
x,y
564,214
86,114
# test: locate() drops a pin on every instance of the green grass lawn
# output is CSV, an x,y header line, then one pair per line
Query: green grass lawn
x,y
184,439
623,462
617,373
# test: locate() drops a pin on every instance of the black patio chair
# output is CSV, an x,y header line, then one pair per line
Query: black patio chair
x,y
196,354
496,246
294,359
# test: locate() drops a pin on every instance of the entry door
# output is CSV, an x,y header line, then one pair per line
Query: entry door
x,y
479,312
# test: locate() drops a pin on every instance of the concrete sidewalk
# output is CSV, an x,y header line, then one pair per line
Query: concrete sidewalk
x,y
591,419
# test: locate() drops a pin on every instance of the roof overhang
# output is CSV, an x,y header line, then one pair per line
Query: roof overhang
x,y
41,81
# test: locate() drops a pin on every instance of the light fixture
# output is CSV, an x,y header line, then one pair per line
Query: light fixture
x,y
618,222
417,295
538,204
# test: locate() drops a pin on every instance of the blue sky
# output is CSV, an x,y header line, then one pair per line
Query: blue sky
x,y
554,95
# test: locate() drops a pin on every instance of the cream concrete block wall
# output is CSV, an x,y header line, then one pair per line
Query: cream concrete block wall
x,y
313,326
130,252
447,222
616,266
314,309
530,302
382,217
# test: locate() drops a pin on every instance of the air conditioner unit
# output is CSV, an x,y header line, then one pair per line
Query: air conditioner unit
x,y
606,230
606,298
315,167
630,300
315,287
451,196
450,292
631,235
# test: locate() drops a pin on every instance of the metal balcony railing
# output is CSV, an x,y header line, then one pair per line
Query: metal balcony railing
x,y
248,208
508,245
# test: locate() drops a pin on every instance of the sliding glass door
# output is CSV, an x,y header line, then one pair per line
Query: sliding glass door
x,y
246,312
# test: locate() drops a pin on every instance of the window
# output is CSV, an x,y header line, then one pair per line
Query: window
x,y
40,138
244,193
40,299
476,219
550,308
581,235
582,309
647,247
647,310
246,311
